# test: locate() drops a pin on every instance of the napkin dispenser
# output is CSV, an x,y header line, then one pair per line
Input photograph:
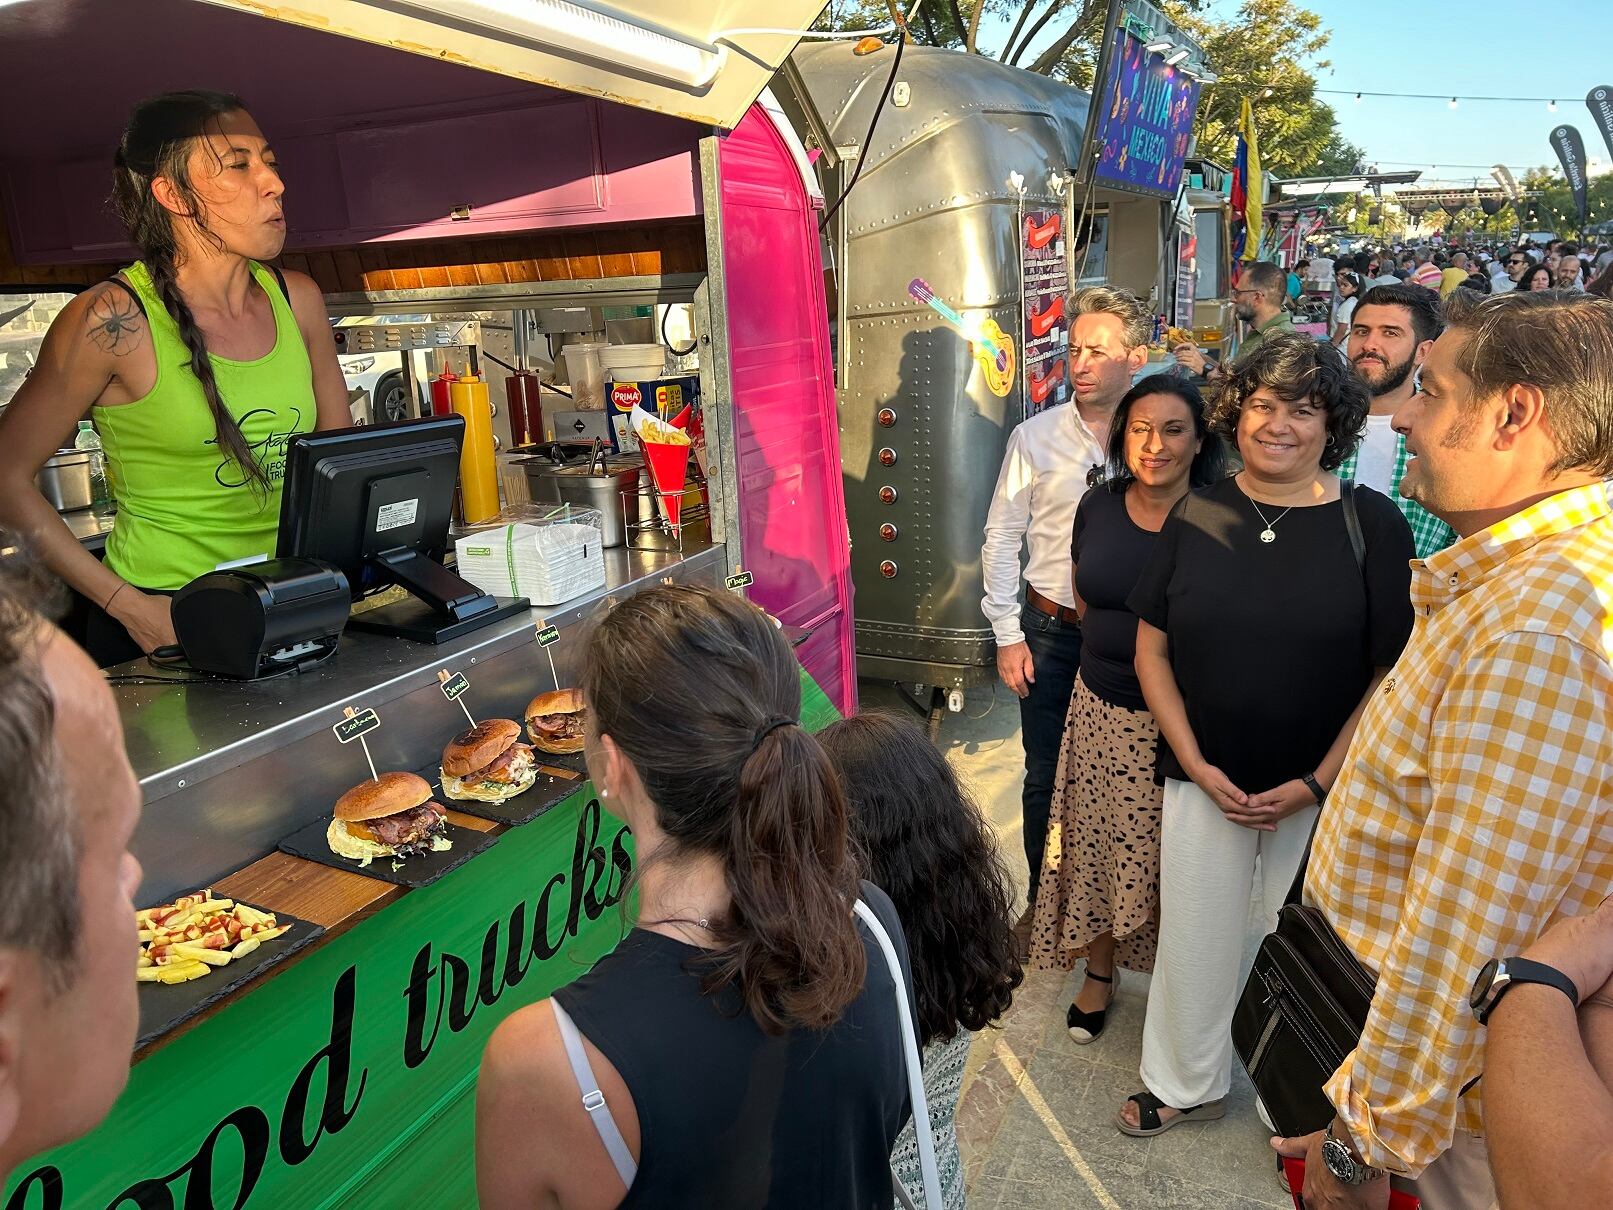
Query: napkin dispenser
x,y
262,619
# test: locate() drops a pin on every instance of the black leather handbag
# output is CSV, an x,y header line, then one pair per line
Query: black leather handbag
x,y
1306,1002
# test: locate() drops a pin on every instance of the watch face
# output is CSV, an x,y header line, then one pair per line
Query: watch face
x,y
1483,984
1339,1161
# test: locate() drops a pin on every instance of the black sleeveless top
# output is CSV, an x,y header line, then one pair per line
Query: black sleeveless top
x,y
731,1117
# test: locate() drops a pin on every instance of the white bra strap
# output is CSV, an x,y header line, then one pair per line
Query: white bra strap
x,y
592,1099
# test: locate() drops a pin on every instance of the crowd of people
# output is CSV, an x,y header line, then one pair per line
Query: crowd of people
x,y
1374,657
1349,617
1483,268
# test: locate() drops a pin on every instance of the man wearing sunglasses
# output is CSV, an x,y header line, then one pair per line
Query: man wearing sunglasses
x,y
1258,301
1515,263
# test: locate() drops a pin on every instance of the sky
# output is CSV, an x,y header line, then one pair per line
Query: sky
x,y
1461,48
1464,48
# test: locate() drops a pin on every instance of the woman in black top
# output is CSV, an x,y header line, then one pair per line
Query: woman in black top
x,y
1099,888
1260,638
745,1035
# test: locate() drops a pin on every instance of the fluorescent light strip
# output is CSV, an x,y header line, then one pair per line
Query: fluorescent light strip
x,y
1176,56
563,25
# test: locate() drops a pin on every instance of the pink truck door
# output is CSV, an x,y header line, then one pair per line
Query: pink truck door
x,y
792,509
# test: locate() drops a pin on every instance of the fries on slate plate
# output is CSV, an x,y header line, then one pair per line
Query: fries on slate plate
x,y
187,938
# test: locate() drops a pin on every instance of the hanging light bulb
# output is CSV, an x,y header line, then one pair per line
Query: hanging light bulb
x,y
1453,102
1358,98
1551,106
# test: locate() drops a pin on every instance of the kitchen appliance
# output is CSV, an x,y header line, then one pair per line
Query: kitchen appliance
x,y
581,426
600,482
65,480
256,621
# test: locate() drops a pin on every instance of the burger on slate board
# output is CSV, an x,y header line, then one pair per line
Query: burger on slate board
x,y
554,721
488,763
392,816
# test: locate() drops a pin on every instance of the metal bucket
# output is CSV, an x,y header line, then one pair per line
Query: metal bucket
x,y
609,488
65,481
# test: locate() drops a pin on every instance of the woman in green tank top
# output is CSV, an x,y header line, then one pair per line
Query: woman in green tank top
x,y
197,363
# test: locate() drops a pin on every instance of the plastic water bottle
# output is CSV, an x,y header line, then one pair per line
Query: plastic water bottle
x,y
100,492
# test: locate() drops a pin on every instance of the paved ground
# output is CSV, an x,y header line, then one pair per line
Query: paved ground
x,y
1035,1124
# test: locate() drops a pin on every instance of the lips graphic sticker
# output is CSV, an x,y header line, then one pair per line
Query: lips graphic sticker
x,y
1042,384
1040,235
1041,322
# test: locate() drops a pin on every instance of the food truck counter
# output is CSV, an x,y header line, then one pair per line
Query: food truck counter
x,y
90,530
228,768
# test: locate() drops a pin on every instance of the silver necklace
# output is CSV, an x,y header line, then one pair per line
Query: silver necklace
x,y
1269,534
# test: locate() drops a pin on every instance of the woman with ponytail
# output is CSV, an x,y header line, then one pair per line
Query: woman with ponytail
x,y
197,364
744,1035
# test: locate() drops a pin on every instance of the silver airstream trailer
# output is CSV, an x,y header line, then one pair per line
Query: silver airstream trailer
x,y
967,155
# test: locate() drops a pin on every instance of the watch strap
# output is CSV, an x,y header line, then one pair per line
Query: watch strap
x,y
1315,787
1526,970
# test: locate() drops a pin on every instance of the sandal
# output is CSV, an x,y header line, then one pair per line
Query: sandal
x,y
1148,1123
1085,1027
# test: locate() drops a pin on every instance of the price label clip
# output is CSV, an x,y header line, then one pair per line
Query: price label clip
x,y
740,579
547,637
356,724
454,687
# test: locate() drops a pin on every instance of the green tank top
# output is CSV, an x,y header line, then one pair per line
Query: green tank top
x,y
184,507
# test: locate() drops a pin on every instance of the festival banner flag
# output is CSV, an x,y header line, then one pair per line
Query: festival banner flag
x,y
1570,149
1600,102
1249,144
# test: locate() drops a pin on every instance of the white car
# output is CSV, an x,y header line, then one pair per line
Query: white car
x,y
380,377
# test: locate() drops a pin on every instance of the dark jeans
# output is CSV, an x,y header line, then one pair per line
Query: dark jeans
x,y
1055,654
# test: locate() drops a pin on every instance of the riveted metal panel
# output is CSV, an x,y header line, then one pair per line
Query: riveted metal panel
x,y
933,201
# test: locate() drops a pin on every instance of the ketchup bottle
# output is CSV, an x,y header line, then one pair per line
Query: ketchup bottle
x,y
441,402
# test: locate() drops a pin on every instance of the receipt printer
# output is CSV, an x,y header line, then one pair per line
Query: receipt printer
x,y
254,621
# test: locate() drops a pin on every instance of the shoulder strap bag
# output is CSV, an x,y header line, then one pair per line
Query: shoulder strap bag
x,y
1306,1002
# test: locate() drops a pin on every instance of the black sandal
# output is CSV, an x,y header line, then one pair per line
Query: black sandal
x,y
1148,1123
1085,1027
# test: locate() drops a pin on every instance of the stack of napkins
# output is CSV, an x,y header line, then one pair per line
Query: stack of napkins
x,y
546,563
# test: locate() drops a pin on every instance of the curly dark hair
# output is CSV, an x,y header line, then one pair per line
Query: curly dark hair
x,y
925,843
1209,465
1294,367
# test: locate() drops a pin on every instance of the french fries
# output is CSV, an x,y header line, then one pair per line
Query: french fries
x,y
187,938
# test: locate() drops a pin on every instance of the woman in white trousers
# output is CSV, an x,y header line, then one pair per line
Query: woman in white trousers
x,y
1273,604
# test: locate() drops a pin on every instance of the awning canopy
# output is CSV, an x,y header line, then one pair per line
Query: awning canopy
x,y
706,62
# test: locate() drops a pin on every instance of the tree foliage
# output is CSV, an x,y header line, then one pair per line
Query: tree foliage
x,y
1268,51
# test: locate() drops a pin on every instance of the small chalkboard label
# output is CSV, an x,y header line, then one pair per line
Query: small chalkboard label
x,y
548,636
355,725
743,579
454,686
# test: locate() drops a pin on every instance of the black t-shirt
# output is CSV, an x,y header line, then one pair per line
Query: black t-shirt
x,y
1110,551
732,1117
1273,644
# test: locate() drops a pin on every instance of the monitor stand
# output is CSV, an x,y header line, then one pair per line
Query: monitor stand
x,y
445,606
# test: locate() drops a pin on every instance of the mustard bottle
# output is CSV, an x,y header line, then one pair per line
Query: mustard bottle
x,y
478,475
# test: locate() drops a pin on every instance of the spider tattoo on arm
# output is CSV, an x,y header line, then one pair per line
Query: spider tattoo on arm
x,y
115,322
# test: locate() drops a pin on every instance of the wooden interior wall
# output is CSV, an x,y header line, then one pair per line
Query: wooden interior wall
x,y
540,256
677,247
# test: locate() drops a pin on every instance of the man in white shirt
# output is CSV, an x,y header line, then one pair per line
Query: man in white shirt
x,y
1391,332
1044,475
1512,268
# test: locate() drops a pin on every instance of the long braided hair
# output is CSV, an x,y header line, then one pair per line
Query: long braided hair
x,y
157,142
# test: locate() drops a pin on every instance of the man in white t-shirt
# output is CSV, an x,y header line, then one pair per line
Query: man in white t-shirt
x,y
1391,332
1032,610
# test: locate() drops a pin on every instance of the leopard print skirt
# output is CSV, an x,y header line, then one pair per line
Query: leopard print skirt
x,y
1101,873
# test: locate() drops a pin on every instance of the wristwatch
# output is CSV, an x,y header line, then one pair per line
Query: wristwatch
x,y
1499,974
1341,1161
1315,787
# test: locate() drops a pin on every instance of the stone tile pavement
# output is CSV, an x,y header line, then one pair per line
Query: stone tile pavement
x,y
1035,1124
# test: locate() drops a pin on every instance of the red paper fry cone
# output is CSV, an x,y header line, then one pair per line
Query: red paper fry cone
x,y
669,471
681,420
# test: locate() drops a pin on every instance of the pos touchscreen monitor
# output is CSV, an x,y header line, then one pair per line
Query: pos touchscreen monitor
x,y
376,502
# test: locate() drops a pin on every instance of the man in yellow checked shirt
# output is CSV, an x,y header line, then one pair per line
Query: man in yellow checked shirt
x,y
1475,807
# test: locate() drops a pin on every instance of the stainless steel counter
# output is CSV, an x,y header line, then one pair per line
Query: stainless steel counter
x,y
229,768
90,530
